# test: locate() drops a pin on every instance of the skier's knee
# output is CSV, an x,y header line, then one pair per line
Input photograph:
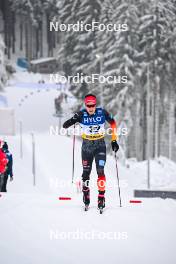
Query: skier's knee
x,y
101,182
86,177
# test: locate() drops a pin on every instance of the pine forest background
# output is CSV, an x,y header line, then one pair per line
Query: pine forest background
x,y
146,54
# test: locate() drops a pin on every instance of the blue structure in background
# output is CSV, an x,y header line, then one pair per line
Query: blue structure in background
x,y
23,63
3,101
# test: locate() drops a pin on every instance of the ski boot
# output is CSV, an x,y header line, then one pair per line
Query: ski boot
x,y
101,201
86,197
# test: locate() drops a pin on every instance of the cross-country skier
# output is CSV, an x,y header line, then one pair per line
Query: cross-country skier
x,y
92,121
9,167
3,164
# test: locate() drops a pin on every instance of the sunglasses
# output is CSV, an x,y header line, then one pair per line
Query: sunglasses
x,y
89,106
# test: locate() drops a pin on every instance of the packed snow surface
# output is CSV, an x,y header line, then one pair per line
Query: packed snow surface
x,y
37,227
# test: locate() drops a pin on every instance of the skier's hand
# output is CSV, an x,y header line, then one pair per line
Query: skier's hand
x,y
115,145
11,178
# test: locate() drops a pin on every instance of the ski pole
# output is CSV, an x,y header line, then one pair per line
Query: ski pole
x,y
118,180
73,159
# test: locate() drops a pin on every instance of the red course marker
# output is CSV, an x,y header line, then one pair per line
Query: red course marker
x,y
135,201
64,198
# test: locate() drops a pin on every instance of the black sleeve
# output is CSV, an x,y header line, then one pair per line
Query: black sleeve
x,y
108,117
10,166
76,118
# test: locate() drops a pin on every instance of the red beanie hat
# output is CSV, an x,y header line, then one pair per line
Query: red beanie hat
x,y
90,99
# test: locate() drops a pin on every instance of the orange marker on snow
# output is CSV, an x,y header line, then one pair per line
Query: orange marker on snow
x,y
135,201
64,198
